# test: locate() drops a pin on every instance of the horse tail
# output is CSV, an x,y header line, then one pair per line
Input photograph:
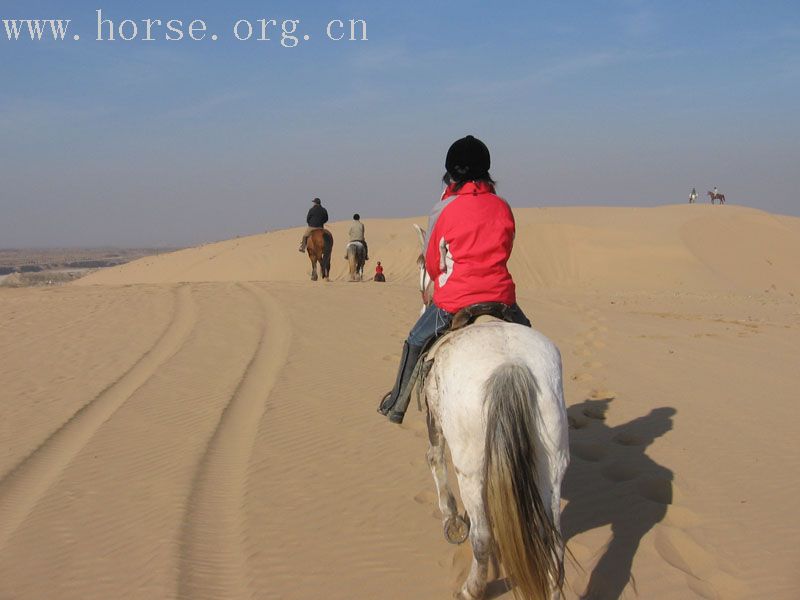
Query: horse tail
x,y
352,259
528,542
327,249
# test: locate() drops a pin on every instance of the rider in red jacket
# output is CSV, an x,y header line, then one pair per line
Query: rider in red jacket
x,y
469,241
379,276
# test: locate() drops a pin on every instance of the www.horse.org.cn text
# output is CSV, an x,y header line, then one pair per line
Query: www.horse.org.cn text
x,y
289,33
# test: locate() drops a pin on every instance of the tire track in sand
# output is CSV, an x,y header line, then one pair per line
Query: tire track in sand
x,y
26,483
213,560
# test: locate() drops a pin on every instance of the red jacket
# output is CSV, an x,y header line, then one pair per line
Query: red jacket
x,y
470,236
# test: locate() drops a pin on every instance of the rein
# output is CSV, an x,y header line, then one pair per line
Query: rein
x,y
425,282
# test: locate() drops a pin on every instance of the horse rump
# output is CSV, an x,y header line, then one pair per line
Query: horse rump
x,y
528,542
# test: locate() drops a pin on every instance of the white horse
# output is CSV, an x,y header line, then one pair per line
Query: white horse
x,y
355,255
494,395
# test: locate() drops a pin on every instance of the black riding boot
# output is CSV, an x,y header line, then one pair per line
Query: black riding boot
x,y
389,404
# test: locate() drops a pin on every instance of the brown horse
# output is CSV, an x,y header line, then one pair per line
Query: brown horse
x,y
717,196
355,259
319,248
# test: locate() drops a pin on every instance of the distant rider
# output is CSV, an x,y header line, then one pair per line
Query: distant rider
x,y
316,219
379,273
357,234
693,196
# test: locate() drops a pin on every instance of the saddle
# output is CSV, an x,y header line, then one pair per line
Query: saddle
x,y
483,312
467,316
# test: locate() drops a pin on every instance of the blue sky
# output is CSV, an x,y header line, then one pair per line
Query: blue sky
x,y
617,102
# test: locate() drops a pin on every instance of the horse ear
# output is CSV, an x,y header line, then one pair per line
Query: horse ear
x,y
421,236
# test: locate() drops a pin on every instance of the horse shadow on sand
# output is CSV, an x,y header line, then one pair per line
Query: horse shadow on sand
x,y
611,481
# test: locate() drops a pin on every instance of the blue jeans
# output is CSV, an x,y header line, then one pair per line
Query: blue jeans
x,y
435,320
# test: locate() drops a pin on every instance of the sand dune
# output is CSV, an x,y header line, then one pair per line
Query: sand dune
x,y
680,248
202,424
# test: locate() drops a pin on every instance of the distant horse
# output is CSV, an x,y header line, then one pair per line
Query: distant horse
x,y
356,256
320,248
494,396
717,196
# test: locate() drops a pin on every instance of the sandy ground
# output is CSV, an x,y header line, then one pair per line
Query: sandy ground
x,y
202,424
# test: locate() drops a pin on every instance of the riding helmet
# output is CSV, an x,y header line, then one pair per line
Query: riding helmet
x,y
467,159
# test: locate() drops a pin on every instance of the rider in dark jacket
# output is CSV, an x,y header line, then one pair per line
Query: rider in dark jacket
x,y
316,219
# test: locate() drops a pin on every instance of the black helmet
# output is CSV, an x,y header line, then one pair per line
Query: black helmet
x,y
317,201
467,159
356,217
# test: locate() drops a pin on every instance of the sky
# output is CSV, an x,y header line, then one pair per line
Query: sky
x,y
172,143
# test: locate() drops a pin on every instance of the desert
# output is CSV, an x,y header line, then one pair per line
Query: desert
x,y
202,424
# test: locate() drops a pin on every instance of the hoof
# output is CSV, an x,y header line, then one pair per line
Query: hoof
x,y
456,529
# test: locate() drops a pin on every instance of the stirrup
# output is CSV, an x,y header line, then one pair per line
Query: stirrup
x,y
383,408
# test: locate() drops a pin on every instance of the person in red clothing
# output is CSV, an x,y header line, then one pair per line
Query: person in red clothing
x,y
379,273
469,241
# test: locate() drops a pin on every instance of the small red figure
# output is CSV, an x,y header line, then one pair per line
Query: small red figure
x,y
379,273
